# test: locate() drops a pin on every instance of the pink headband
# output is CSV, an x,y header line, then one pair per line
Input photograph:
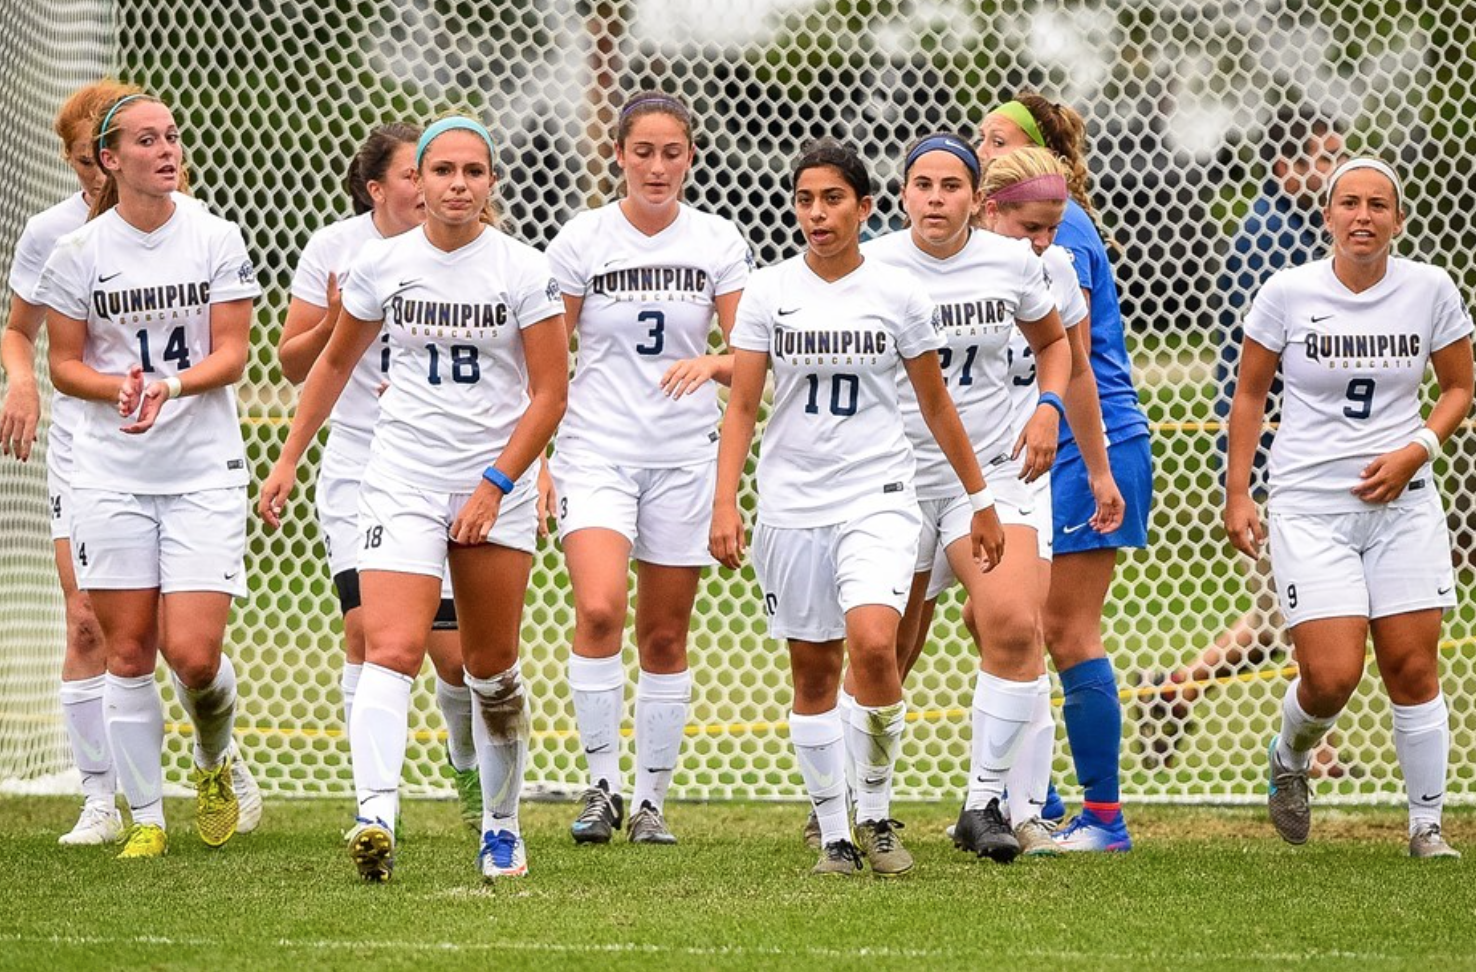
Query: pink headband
x,y
1041,188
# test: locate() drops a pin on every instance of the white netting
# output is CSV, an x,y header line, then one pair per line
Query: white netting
x,y
274,95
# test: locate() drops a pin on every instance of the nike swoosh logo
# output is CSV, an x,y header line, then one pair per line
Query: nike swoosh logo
x,y
897,592
1432,799
232,575
102,279
1444,590
822,801
96,754
873,781
1074,529
1319,320
409,283
148,794
786,313
597,749
660,769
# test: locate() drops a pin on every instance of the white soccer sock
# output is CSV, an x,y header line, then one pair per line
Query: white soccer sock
x,y
455,703
501,729
1422,741
598,687
377,741
348,684
1300,732
1029,780
135,727
1002,711
875,736
82,712
822,756
845,704
212,711
661,722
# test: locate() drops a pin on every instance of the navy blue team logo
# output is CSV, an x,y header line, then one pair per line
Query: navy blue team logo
x,y
246,273
1047,275
937,319
552,289
749,258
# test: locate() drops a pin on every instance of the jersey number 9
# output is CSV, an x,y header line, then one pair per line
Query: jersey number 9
x,y
1360,393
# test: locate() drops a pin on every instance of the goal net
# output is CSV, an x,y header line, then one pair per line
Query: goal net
x,y
1180,95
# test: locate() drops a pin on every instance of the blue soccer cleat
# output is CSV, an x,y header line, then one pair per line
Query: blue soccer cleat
x,y
1087,832
503,855
1054,810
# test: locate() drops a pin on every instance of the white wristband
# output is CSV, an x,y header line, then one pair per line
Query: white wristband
x,y
174,386
1427,438
982,500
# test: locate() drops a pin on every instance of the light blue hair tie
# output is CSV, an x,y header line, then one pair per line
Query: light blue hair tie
x,y
450,124
102,131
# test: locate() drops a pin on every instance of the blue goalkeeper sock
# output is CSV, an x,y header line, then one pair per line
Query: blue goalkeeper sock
x,y
1093,716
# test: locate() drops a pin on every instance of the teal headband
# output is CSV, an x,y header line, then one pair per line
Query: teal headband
x,y
1021,116
450,124
102,131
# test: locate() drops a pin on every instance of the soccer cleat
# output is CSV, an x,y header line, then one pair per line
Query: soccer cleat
x,y
984,832
216,809
1035,839
98,824
371,846
602,815
839,857
648,826
881,845
1087,832
1427,841
1054,810
503,855
468,784
1288,799
248,794
812,831
144,841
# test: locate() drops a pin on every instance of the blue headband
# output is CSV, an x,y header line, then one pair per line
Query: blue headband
x,y
450,124
102,131
944,143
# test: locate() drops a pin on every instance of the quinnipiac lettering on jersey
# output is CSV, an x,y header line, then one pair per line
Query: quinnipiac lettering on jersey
x,y
1365,350
426,316
994,313
652,284
147,300
802,347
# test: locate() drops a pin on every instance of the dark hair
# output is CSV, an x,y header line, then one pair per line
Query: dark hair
x,y
651,102
837,155
1289,132
371,161
975,170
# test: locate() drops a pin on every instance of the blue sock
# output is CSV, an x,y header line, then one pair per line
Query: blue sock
x,y
1093,716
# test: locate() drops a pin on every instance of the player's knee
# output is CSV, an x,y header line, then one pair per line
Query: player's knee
x,y
1327,689
197,669
601,622
397,652
664,649
130,657
1412,679
84,634
1013,635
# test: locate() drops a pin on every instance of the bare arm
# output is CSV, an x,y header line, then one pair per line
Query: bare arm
x,y
1084,412
22,410
725,541
1041,436
1242,520
687,376
306,331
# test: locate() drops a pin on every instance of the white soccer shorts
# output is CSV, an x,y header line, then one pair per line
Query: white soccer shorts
x,y
666,514
59,482
810,577
338,519
1017,503
176,542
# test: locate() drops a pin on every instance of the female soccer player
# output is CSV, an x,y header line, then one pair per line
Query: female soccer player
x,y
151,302
838,517
1357,531
1008,390
85,659
635,459
478,364
387,202
1085,559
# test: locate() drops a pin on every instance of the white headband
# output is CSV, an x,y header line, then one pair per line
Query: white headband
x,y
1378,166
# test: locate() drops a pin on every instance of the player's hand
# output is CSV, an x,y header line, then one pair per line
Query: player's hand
x,y
18,420
725,541
548,498
131,391
152,401
1385,478
275,491
1038,441
986,534
1110,505
478,516
381,388
1243,525
687,376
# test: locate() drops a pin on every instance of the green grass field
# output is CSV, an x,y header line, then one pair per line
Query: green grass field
x,y
1205,888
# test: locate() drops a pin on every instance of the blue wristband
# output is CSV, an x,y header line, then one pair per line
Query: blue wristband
x,y
498,478
1054,401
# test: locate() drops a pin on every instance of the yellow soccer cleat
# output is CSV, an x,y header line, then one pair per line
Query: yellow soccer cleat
x,y
217,810
142,841
371,846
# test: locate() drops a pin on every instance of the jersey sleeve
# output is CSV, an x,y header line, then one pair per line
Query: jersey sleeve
x,y
1035,290
1265,323
565,263
734,264
753,330
1079,248
1062,281
360,285
310,280
537,298
1452,319
232,275
29,262
918,330
63,282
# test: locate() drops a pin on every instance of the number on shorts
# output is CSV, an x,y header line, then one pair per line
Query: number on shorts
x,y
82,554
56,507
1291,595
844,390
657,333
563,507
1360,393
771,604
373,537
175,349
1021,380
466,369
384,353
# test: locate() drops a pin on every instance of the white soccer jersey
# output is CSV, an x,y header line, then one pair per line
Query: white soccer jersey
x,y
981,292
1352,365
648,303
1024,395
455,323
146,299
332,250
835,446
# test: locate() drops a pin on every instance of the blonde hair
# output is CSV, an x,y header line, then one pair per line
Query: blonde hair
x,y
1010,169
107,197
